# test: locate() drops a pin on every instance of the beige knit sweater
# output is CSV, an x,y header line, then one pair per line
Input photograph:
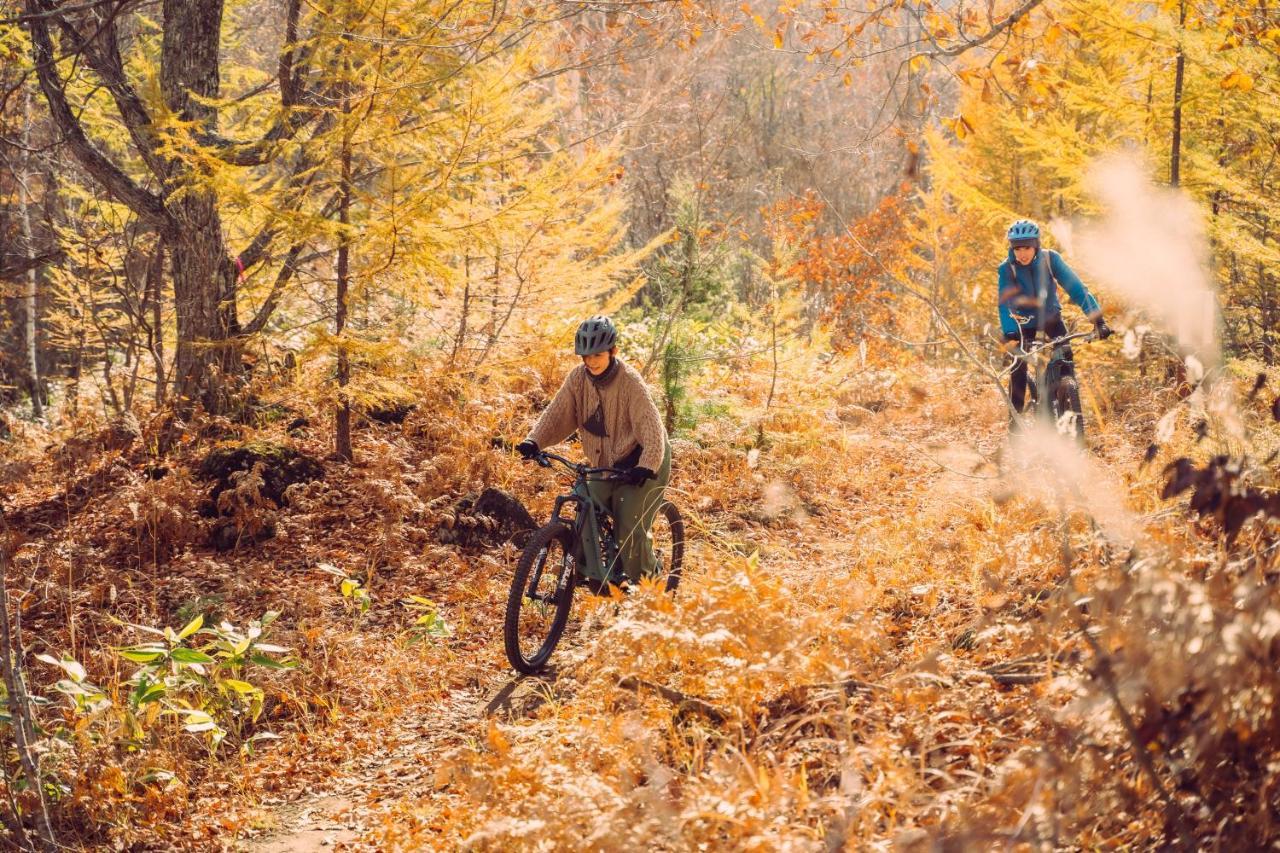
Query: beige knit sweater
x,y
630,418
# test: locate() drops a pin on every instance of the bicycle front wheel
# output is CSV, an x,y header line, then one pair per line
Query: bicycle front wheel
x,y
1066,408
668,543
540,598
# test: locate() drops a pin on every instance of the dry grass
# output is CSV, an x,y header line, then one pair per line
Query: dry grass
x,y
898,661
878,641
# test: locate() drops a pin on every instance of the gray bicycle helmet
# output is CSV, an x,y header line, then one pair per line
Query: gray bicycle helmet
x,y
595,335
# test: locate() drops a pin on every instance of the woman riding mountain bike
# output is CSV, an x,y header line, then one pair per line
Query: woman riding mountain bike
x,y
576,546
607,402
1028,304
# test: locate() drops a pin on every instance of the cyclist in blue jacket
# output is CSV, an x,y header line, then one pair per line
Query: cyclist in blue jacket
x,y
1028,286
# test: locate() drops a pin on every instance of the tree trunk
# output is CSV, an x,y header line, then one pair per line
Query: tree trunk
x,y
29,298
77,368
22,727
207,355
184,211
460,338
155,331
204,277
1270,313
1175,148
342,430
773,376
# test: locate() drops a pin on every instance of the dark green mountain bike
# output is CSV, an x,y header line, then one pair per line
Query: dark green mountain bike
x,y
1056,397
576,546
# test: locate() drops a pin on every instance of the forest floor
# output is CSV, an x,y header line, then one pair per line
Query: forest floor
x,y
867,614
365,794
914,468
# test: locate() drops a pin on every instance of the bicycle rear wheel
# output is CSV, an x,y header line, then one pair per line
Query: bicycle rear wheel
x,y
668,543
540,598
1067,414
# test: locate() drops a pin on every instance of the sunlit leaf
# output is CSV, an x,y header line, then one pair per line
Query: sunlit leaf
x,y
142,654
242,687
191,656
194,625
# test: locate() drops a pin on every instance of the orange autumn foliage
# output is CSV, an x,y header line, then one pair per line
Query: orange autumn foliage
x,y
847,275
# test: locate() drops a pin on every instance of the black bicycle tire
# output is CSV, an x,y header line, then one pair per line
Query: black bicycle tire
x,y
1066,398
544,536
676,522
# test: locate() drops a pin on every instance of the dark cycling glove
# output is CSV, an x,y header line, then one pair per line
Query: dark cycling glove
x,y
637,475
1103,330
528,449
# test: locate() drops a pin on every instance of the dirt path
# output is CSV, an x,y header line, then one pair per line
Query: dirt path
x,y
940,464
336,814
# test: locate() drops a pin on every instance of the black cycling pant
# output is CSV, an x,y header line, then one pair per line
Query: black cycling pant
x,y
1053,328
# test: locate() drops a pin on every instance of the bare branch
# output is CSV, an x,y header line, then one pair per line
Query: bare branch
x,y
101,51
31,17
19,266
113,179
287,270
968,44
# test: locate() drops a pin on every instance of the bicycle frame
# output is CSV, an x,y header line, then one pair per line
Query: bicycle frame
x,y
1044,366
585,522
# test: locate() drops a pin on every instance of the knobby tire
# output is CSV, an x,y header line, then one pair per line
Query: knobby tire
x,y
549,550
1066,399
676,524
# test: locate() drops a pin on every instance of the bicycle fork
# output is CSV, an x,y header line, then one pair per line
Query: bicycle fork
x,y
535,577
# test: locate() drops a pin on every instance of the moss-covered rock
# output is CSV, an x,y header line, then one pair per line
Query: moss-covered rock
x,y
486,521
282,467
390,413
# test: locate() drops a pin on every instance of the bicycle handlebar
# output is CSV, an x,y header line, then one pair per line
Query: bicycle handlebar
x,y
1022,355
1083,337
546,457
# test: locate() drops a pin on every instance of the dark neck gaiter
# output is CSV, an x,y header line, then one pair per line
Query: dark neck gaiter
x,y
606,376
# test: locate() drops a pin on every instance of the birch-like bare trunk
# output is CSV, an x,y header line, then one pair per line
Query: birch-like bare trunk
x,y
29,298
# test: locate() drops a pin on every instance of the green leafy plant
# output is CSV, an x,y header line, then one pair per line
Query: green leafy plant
x,y
86,698
210,606
356,597
354,591
205,684
428,624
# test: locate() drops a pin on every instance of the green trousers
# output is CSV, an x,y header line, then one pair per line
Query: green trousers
x,y
634,508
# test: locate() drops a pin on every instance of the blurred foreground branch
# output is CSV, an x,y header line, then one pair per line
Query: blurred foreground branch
x,y
23,726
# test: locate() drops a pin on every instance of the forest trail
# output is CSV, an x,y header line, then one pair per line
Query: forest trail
x,y
283,285
917,465
875,640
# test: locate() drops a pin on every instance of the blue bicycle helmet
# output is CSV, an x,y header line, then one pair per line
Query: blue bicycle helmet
x,y
597,334
1024,232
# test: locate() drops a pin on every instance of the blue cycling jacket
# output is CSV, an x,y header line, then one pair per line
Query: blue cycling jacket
x,y
1029,295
